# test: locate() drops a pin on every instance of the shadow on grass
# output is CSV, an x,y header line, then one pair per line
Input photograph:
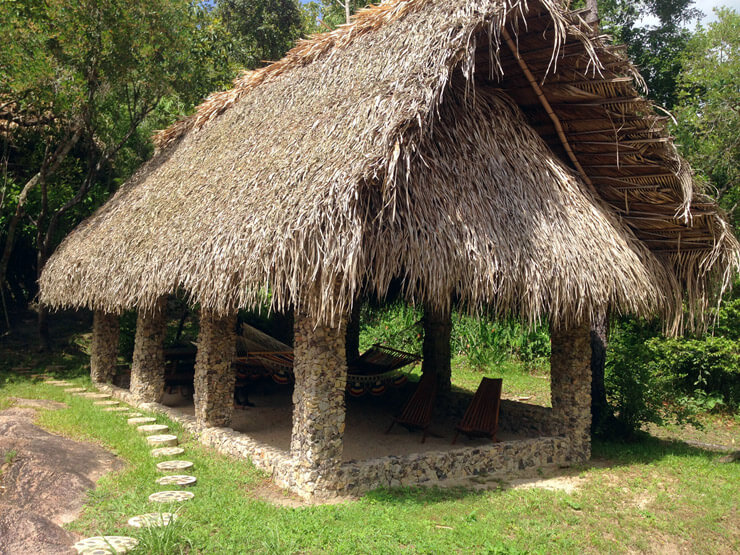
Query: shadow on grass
x,y
646,449
421,495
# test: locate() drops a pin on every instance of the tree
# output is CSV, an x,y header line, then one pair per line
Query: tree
x,y
655,48
329,14
81,84
259,31
708,109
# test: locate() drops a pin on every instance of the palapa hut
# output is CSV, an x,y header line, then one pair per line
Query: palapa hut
x,y
492,151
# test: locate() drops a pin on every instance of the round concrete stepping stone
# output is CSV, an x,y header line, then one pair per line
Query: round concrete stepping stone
x,y
105,545
171,496
116,409
170,466
152,519
62,384
106,403
177,480
75,390
139,420
163,440
167,451
149,429
92,395
133,414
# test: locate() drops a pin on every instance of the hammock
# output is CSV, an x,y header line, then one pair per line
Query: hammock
x,y
372,372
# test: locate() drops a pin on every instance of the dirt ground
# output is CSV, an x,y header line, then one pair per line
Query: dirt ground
x,y
270,422
43,481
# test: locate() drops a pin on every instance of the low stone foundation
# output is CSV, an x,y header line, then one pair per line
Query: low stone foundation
x,y
505,460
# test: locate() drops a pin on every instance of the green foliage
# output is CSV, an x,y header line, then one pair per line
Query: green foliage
x,y
635,392
650,376
484,341
707,109
325,15
656,49
259,30
397,326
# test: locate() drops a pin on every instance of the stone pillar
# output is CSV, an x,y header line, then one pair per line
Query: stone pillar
x,y
320,368
214,376
570,371
104,351
147,368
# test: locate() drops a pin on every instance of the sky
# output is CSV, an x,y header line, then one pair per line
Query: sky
x,y
706,7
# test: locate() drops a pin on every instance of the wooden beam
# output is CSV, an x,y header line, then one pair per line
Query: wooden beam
x,y
545,105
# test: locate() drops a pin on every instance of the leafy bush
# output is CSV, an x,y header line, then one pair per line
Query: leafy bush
x,y
650,376
483,340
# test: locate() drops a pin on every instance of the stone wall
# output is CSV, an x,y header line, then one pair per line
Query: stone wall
x,y
570,371
104,349
320,369
496,461
214,376
147,368
514,416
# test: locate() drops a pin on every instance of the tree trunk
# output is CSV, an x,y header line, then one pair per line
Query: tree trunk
x,y
436,347
48,167
43,328
601,413
593,16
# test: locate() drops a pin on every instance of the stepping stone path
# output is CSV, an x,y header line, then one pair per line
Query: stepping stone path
x,y
167,451
165,446
177,480
138,421
170,466
105,545
152,519
171,496
150,429
164,440
75,390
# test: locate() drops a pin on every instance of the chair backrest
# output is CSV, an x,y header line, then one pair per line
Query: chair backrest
x,y
482,414
418,409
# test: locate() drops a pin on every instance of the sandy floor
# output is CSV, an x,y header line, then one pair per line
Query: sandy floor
x,y
270,422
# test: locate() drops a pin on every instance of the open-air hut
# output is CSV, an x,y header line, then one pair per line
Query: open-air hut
x,y
495,152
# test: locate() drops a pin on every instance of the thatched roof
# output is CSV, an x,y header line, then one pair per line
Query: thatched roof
x,y
392,148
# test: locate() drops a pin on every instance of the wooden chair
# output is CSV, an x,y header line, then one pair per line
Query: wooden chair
x,y
481,418
417,413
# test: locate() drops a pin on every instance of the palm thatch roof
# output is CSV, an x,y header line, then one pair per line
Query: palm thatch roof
x,y
492,150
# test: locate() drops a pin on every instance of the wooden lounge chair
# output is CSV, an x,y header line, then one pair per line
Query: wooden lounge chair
x,y
417,413
481,418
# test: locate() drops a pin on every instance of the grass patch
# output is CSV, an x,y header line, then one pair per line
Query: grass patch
x,y
653,495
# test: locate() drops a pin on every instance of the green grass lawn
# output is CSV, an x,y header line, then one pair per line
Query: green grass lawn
x,y
653,496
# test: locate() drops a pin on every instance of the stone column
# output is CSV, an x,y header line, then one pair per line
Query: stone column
x,y
320,369
104,351
147,368
214,376
570,371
